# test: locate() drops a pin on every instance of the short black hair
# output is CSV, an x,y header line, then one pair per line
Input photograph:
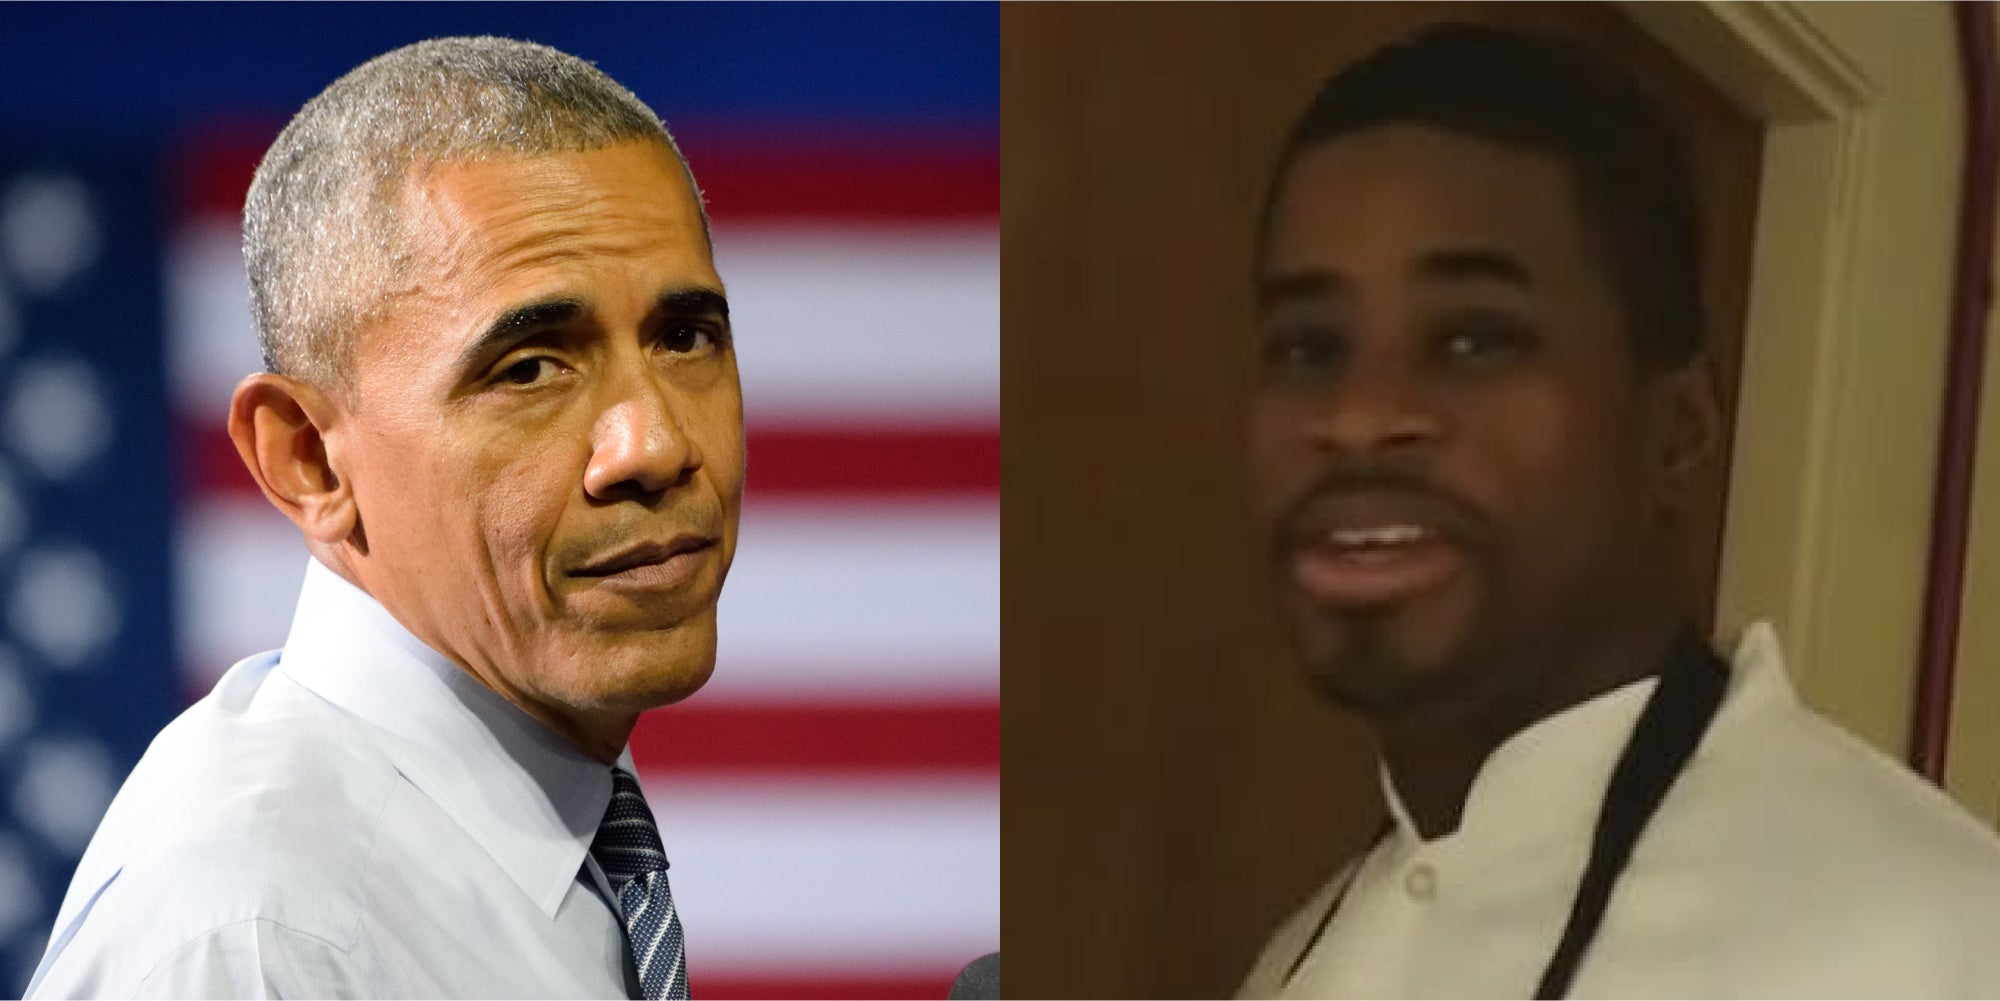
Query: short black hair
x,y
1552,98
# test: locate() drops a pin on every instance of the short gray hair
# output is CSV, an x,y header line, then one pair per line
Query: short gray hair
x,y
321,227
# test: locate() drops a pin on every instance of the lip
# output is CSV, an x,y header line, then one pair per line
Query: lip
x,y
651,565
1345,577
1357,550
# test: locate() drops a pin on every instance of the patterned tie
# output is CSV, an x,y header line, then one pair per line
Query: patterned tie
x,y
628,849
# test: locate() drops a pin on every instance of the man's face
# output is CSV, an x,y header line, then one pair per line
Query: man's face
x,y
1452,451
545,433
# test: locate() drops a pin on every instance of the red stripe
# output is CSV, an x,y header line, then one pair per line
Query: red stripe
x,y
784,461
893,460
1972,303
764,737
849,186
209,463
213,167
830,986
829,178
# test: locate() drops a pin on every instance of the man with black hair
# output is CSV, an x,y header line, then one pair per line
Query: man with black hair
x,y
1481,389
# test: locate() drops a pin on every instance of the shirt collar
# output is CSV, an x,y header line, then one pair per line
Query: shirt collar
x,y
529,798
1549,779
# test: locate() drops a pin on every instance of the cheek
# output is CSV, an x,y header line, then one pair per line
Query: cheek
x,y
1279,457
718,428
1561,470
511,496
731,466
405,481
515,514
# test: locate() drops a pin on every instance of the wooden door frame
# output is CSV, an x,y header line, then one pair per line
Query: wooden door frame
x,y
1973,759
1834,447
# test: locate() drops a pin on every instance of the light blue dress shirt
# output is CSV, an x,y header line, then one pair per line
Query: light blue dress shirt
x,y
351,816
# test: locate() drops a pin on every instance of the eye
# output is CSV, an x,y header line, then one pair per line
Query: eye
x,y
1303,351
687,338
1483,341
527,371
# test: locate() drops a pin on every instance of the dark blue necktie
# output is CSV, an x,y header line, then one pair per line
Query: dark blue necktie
x,y
628,849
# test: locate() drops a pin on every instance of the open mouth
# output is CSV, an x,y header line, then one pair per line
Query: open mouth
x,y
1375,564
1358,549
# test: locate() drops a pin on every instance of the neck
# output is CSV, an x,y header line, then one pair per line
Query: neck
x,y
1434,752
602,735
603,738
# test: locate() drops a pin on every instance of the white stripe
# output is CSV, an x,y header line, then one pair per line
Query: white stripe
x,y
645,901
659,935
211,342
238,565
862,600
867,323
783,878
863,324
851,601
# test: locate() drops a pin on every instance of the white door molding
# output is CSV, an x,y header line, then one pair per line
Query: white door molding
x,y
1835,440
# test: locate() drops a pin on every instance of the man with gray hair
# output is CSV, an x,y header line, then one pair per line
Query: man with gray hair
x,y
501,405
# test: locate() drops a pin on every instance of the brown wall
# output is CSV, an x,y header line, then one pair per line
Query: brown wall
x,y
1171,789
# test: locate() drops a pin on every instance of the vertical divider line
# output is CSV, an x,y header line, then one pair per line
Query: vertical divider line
x,y
1958,436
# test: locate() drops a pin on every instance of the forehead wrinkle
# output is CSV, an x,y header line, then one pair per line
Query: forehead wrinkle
x,y
531,237
507,227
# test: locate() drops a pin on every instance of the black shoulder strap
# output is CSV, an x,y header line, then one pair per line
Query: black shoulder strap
x,y
1669,729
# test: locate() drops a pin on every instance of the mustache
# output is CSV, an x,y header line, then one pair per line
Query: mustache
x,y
1461,520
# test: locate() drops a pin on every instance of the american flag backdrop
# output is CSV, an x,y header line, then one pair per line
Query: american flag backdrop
x,y
831,799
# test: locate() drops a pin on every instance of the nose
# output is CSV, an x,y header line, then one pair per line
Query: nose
x,y
1376,408
639,446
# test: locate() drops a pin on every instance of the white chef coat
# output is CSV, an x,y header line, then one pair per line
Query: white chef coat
x,y
1788,860
352,816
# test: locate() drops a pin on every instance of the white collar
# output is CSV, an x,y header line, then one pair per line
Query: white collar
x,y
529,798
1549,778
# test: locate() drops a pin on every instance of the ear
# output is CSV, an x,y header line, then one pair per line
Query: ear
x,y
1687,429
280,426
1692,431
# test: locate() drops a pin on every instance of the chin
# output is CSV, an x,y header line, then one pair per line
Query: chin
x,y
1379,663
641,671
663,689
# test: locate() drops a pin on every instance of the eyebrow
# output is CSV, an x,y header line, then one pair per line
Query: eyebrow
x,y
1443,266
693,300
518,324
526,320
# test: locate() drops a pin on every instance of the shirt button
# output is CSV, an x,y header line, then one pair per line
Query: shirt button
x,y
1421,882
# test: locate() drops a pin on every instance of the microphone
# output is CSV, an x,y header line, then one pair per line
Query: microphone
x,y
979,981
